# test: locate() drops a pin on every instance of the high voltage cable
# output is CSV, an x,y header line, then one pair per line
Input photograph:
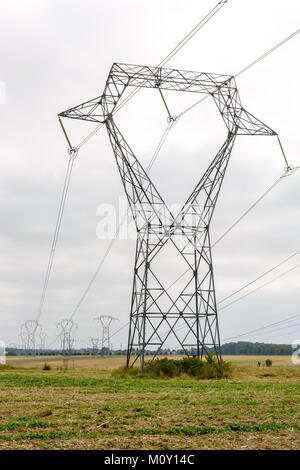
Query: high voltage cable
x,y
249,66
268,52
192,33
122,328
240,298
56,231
273,330
168,57
234,224
83,296
247,285
243,70
259,277
247,211
179,46
270,325
281,334
254,290
260,287
113,240
157,150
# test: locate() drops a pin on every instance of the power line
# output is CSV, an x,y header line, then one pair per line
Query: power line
x,y
247,211
192,33
249,66
72,156
263,327
120,329
259,277
164,61
260,287
280,328
281,334
113,240
53,342
234,224
281,43
179,46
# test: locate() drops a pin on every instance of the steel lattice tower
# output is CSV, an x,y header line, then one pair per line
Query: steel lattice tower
x,y
153,308
95,345
42,338
28,334
106,321
66,326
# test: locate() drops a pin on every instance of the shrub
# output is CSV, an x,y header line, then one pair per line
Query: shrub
x,y
123,372
268,362
6,367
164,367
46,366
192,366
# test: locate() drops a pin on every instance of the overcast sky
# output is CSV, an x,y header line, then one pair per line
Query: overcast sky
x,y
56,54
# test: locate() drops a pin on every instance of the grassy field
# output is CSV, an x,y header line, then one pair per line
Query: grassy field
x,y
79,405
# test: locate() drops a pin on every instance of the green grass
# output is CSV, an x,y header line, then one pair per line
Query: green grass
x,y
170,368
44,410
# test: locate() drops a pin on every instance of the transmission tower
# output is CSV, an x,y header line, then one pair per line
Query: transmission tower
x,y
95,346
154,308
28,335
106,321
23,337
42,338
66,326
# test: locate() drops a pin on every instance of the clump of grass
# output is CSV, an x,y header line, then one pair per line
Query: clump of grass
x,y
191,366
6,367
45,413
268,362
123,372
46,366
106,408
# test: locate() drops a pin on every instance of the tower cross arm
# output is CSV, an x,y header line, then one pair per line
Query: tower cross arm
x,y
90,110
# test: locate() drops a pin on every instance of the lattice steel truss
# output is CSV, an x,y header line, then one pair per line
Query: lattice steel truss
x,y
106,321
95,346
66,326
28,334
153,307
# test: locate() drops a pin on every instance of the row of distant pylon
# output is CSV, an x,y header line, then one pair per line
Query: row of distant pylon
x,y
31,330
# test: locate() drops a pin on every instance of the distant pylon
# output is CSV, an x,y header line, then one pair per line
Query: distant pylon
x,y
42,338
28,332
23,337
66,326
95,346
106,321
